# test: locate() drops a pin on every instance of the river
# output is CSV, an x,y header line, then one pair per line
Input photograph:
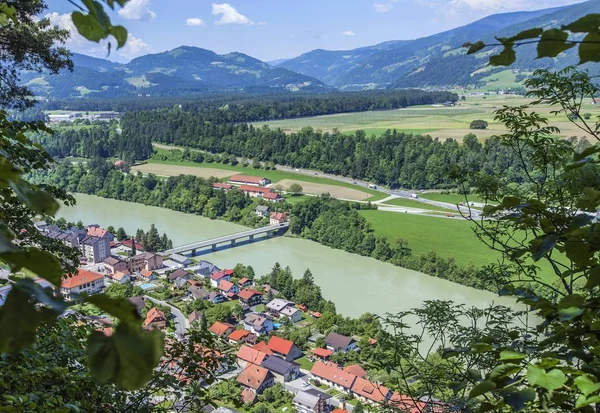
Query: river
x,y
355,284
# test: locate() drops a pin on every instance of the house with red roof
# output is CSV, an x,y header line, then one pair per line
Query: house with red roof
x,y
357,370
249,180
255,379
369,392
155,319
406,403
224,187
218,276
238,336
272,197
148,275
228,288
98,231
245,282
284,348
221,329
262,346
322,353
333,376
254,191
249,355
278,218
250,297
84,282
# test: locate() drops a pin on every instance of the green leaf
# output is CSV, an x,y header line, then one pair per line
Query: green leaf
x,y
510,355
475,47
506,58
117,307
593,278
88,26
518,399
482,388
570,307
481,347
586,385
551,380
40,262
119,33
586,24
503,370
589,49
567,314
511,201
39,201
592,150
552,43
527,34
542,247
19,321
127,358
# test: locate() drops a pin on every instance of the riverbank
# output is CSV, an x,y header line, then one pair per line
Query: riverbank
x,y
356,284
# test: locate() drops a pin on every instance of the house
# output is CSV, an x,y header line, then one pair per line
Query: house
x,y
155,319
97,231
255,379
238,337
245,282
262,211
262,346
114,265
270,290
180,283
407,404
368,392
122,277
138,302
357,370
205,268
221,329
292,313
283,370
322,353
217,277
249,180
198,293
180,259
258,324
84,282
129,244
247,355
253,191
277,218
272,197
148,275
224,187
145,261
284,348
250,297
95,249
333,376
195,317
311,401
339,343
228,288
215,297
179,273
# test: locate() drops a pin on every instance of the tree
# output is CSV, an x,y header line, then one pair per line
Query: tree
x,y
308,277
133,251
478,124
117,290
121,234
111,229
295,188
152,241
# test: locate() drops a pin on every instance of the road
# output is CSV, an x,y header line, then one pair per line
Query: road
x,y
181,321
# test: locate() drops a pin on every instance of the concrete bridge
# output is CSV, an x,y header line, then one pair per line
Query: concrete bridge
x,y
269,230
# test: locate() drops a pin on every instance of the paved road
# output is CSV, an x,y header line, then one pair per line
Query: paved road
x,y
181,321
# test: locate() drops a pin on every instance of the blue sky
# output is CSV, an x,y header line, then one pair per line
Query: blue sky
x,y
274,29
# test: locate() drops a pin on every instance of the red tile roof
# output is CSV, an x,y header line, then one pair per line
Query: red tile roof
x,y
406,403
246,294
271,195
372,341
83,277
146,273
369,390
263,347
96,232
217,275
257,189
220,329
279,216
280,345
228,272
152,315
237,335
246,178
355,369
322,352
331,372
248,396
218,185
243,281
225,285
340,411
253,376
251,355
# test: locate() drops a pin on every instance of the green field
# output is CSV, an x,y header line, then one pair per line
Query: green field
x,y
448,237
410,203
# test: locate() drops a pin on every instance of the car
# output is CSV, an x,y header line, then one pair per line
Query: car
x,y
305,384
354,183
297,170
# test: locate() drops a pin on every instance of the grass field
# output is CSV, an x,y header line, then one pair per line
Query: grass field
x,y
410,203
439,122
452,237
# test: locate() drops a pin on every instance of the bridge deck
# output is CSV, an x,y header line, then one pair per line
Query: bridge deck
x,y
225,238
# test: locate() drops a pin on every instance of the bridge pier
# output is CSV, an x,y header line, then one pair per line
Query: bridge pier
x,y
251,238
233,243
214,247
194,252
270,234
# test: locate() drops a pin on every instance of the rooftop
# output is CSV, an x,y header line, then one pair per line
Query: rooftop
x,y
253,376
246,178
83,277
280,345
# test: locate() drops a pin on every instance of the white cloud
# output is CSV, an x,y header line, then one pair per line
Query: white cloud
x,y
194,21
382,7
348,33
229,15
134,47
137,10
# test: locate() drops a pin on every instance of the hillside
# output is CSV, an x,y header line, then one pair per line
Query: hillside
x,y
184,70
437,60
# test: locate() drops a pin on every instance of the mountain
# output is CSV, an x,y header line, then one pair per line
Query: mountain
x,y
184,70
437,60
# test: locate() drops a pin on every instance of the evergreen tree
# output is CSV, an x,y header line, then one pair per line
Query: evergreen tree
x,y
139,235
308,277
152,241
133,248
80,224
121,234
